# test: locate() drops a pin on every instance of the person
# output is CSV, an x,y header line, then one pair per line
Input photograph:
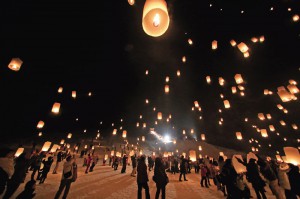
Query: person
x,y
67,176
160,178
88,163
294,178
58,161
18,177
229,177
37,164
150,163
204,175
182,169
46,169
116,163
142,178
28,192
173,165
6,167
124,161
133,162
283,180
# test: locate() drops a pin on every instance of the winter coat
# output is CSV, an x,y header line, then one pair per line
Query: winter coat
x,y
253,175
133,161
182,166
160,176
59,157
47,165
283,180
294,178
142,176
68,166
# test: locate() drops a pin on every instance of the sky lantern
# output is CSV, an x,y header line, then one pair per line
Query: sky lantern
x,y
226,104
293,82
137,124
254,39
144,125
55,147
60,90
143,138
200,148
114,131
69,135
243,47
90,94
242,88
192,131
74,94
294,126
55,108
261,116
239,135
196,104
124,134
233,89
62,141
167,89
261,39
292,155
15,64
46,146
269,116
238,79
131,2
208,80
246,54
147,72
282,123
264,133
221,81
214,44
40,134
266,92
190,41
19,152
285,111
272,128
183,59
178,73
156,19
167,79
202,136
192,155
279,106
293,89
221,96
183,132
147,101
233,43
40,124
284,95
296,18
159,115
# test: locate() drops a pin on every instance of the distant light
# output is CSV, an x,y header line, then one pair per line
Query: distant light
x,y
289,9
271,8
296,18
221,9
210,5
242,12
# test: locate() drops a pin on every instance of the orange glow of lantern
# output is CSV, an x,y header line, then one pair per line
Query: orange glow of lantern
x,y
190,41
285,96
156,19
62,141
167,89
131,2
214,44
15,64
242,88
74,94
60,90
159,116
285,111
261,39
279,106
264,133
266,92
144,125
226,104
40,124
143,138
239,135
282,123
233,43
178,73
46,146
196,104
261,116
124,134
183,59
296,18
221,81
269,116
292,155
293,89
292,82
55,108
19,152
147,101
183,132
254,39
200,148
233,89
238,79
70,135
147,72
272,128
243,47
246,54
137,124
114,131
202,136
294,126
208,80
192,155
167,79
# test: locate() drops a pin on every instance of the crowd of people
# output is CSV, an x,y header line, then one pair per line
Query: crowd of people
x,y
259,173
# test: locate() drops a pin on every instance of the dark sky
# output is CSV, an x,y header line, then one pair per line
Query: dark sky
x,y
100,47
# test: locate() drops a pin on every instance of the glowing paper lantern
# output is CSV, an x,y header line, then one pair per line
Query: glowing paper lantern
x,y
239,168
200,148
74,94
272,128
167,89
261,116
296,18
55,108
266,92
214,45
285,110
155,17
269,116
167,79
238,79
147,72
40,124
233,89
144,125
143,138
46,146
196,104
183,132
279,106
292,155
221,153
15,64
183,59
202,136
118,154
282,122
242,88
124,134
208,80
137,124
292,82
278,158
147,101
243,47
293,89
264,133
62,141
60,90
70,135
246,54
232,42
239,135
131,2
190,41
54,148
261,39
178,73
159,115
193,156
40,134
19,152
254,39
226,104
114,132
221,81
284,95
295,127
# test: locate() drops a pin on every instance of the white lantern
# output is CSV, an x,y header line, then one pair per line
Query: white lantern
x,y
243,47
155,17
202,136
254,39
261,116
15,64
233,89
239,135
193,156
214,45
40,124
238,79
190,41
282,122
264,133
114,132
19,152
69,135
167,79
272,128
208,80
269,116
124,134
292,155
200,148
159,116
60,90
46,146
55,108
295,127
221,81
178,73
167,89
232,42
62,141
196,104
143,138
226,104
74,94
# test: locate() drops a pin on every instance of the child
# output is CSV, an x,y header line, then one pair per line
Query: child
x,y
46,169
28,192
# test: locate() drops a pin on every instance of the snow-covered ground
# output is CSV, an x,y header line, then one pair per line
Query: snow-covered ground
x,y
104,182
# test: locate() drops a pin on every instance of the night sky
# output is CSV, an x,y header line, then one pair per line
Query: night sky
x,y
100,47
